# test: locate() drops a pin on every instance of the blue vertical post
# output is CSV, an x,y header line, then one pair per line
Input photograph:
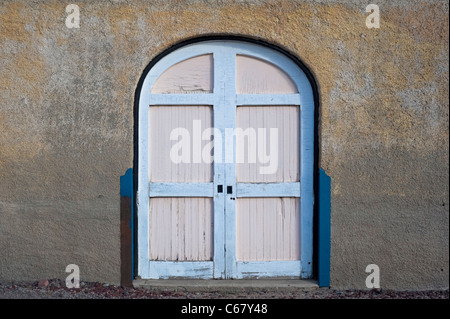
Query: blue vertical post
x,y
324,236
127,226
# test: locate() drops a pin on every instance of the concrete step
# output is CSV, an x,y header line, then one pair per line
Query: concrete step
x,y
225,285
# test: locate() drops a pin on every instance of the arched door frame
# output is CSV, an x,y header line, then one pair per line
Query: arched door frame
x,y
309,108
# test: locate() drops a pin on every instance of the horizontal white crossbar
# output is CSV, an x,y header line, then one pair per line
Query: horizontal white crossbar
x,y
268,269
268,190
180,269
209,99
181,190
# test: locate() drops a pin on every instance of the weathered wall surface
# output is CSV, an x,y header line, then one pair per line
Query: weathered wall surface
x,y
66,126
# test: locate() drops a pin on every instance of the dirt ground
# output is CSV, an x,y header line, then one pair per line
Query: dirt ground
x,y
56,289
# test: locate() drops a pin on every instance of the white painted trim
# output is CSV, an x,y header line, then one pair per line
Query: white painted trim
x,y
268,269
268,190
181,190
180,269
142,199
306,173
267,99
228,58
219,168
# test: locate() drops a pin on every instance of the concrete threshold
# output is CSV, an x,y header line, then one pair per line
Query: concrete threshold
x,y
202,285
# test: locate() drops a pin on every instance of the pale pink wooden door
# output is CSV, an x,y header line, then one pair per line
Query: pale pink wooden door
x,y
181,226
217,206
267,224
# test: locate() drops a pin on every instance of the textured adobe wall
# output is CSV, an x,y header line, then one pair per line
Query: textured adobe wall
x,y
66,126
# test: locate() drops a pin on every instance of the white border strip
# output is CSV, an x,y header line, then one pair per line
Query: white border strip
x,y
180,269
268,269
181,190
268,190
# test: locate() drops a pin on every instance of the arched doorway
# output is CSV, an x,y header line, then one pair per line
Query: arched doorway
x,y
225,164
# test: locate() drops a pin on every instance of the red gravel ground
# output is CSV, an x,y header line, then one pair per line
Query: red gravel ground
x,y
56,289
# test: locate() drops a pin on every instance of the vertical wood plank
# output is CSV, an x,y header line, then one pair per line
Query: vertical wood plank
x,y
181,229
194,224
287,150
201,233
271,226
259,230
287,233
280,230
253,235
187,229
265,216
258,114
201,222
173,231
167,227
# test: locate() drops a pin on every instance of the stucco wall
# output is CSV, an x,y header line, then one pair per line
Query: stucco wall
x,y
66,126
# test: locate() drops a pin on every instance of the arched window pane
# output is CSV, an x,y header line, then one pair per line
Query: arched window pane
x,y
255,76
193,75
